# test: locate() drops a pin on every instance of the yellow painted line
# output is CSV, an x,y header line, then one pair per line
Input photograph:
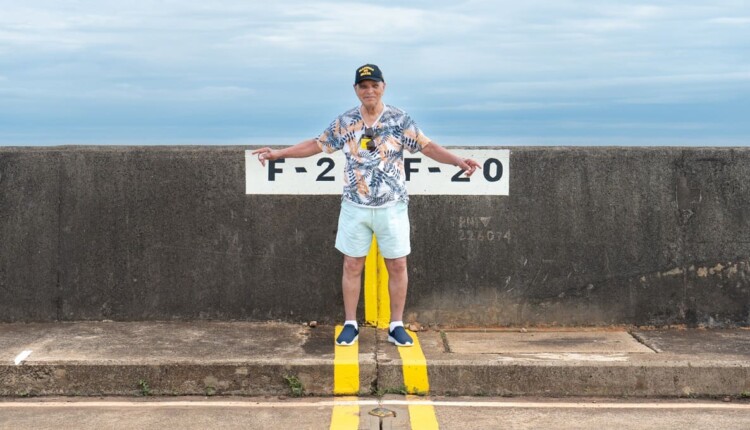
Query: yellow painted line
x,y
384,297
371,285
345,366
377,297
345,414
414,366
422,416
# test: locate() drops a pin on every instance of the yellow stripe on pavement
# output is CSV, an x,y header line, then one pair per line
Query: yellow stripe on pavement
x,y
345,366
377,297
422,417
415,367
371,285
345,416
384,296
414,364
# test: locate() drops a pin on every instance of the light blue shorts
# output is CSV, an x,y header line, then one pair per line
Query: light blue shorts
x,y
390,225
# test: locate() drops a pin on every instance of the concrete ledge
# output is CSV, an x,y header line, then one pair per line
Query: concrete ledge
x,y
633,379
705,369
202,358
243,378
250,359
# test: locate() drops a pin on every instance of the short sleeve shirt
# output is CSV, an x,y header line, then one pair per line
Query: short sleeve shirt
x,y
374,178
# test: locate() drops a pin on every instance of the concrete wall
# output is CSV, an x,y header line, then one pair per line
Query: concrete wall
x,y
588,236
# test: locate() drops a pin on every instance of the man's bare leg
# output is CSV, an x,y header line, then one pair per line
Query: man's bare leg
x,y
398,280
351,284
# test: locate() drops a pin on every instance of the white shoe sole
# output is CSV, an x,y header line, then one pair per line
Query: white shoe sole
x,y
393,340
347,344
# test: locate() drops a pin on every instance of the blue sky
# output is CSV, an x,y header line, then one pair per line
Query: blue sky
x,y
470,72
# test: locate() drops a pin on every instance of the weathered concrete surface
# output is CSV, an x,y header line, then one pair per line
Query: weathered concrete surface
x,y
686,342
588,236
700,370
452,413
164,233
591,236
160,413
596,415
243,358
29,229
201,358
508,342
157,233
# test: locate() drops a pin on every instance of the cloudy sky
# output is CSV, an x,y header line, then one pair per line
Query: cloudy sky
x,y
476,72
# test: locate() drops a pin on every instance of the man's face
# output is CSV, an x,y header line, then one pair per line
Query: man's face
x,y
369,93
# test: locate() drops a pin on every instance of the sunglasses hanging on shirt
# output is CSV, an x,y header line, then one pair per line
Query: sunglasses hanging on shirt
x,y
367,140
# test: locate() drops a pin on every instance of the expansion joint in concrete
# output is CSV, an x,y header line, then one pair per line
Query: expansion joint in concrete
x,y
375,386
58,285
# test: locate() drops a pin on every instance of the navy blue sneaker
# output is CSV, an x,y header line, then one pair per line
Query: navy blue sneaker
x,y
400,337
347,336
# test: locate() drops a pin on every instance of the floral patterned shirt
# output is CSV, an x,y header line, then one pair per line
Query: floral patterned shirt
x,y
374,178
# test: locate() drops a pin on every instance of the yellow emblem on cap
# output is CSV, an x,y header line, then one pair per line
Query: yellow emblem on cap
x,y
366,71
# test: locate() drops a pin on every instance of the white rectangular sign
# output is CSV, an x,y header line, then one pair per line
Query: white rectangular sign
x,y
323,174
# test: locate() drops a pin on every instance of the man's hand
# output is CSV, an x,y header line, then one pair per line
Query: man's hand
x,y
306,148
468,165
266,154
442,155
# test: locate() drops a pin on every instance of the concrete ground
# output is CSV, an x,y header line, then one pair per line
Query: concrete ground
x,y
256,359
316,413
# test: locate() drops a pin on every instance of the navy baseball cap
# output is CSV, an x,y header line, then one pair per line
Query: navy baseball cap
x,y
368,71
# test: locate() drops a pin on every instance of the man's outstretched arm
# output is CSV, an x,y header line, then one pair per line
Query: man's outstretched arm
x,y
303,149
442,155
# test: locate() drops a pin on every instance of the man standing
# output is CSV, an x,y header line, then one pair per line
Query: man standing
x,y
373,137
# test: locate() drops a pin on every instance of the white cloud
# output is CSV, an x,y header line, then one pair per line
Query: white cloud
x,y
560,93
496,106
601,125
730,20
620,81
465,56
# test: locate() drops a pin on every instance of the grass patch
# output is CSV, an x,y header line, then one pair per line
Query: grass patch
x,y
144,388
380,392
444,337
295,385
